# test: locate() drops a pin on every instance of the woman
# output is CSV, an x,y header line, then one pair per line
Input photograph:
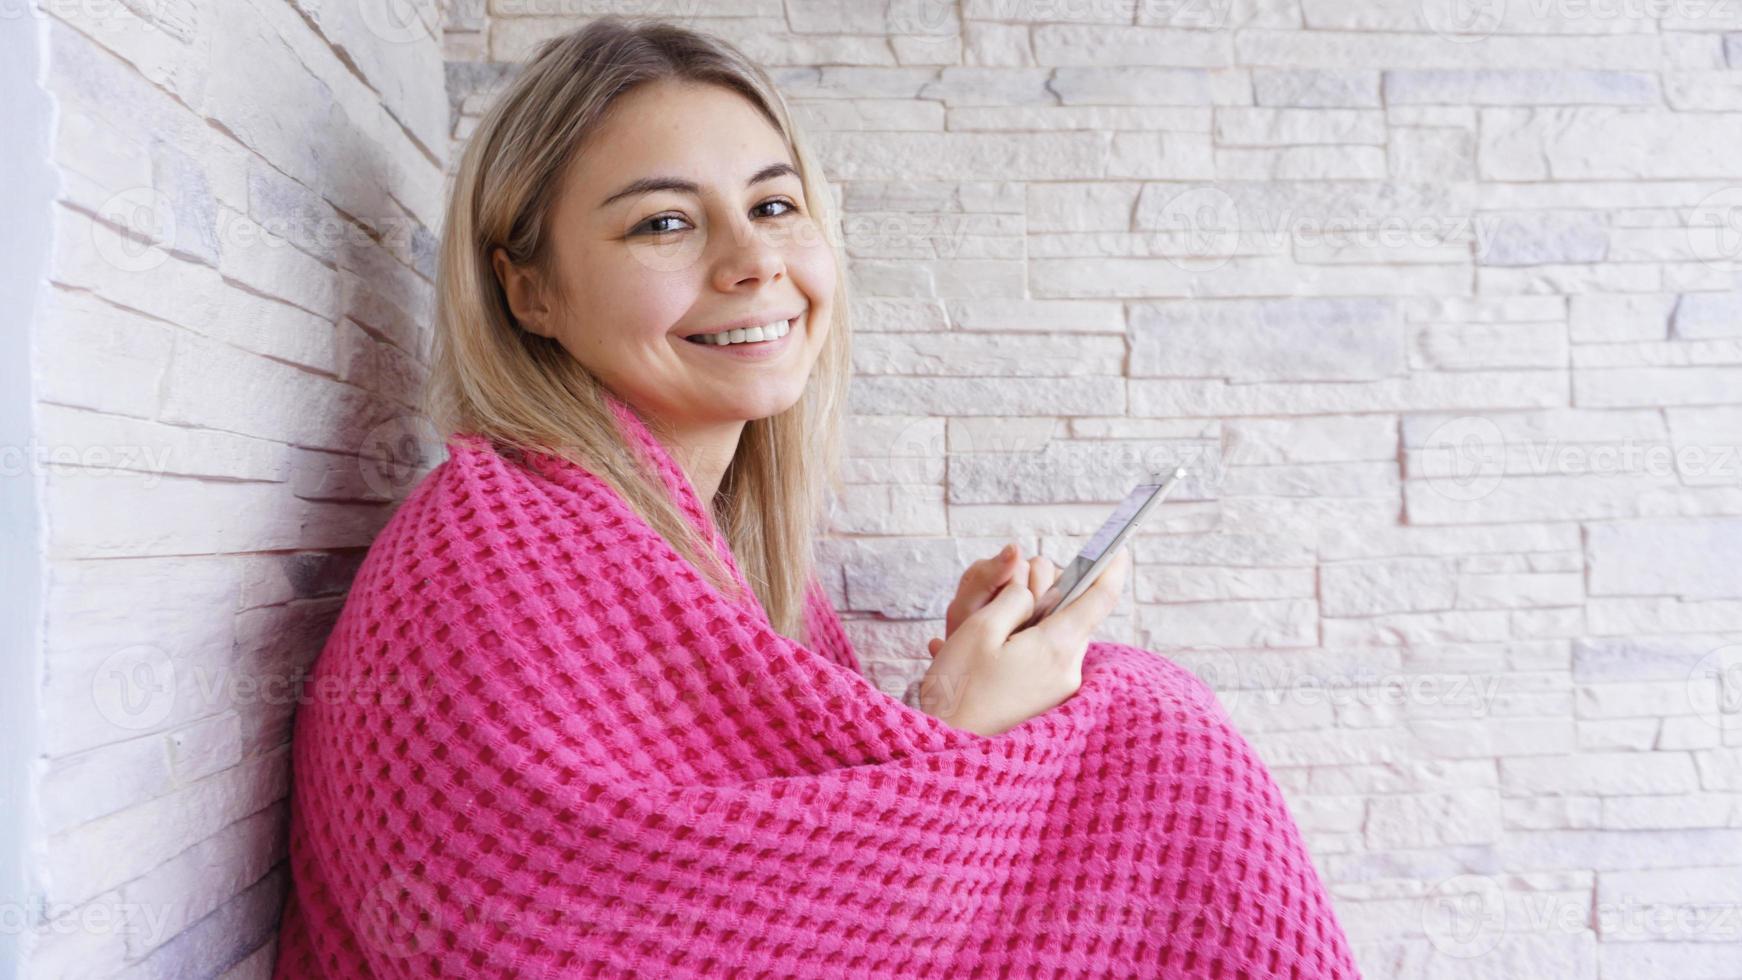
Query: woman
x,y
587,710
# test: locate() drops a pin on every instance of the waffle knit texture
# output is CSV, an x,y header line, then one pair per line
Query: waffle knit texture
x,y
539,744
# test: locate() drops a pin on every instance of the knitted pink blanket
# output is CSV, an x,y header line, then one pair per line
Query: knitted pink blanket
x,y
539,744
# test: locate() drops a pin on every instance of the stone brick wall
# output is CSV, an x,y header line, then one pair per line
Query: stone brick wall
x,y
232,324
1442,301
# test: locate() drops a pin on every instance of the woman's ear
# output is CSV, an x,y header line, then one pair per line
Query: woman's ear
x,y
521,288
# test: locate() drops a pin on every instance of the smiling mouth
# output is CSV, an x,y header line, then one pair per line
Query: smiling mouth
x,y
746,337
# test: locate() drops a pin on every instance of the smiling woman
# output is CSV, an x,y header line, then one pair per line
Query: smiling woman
x,y
715,239
631,191
587,710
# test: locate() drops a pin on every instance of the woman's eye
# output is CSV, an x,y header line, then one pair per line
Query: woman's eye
x,y
790,207
648,226
650,222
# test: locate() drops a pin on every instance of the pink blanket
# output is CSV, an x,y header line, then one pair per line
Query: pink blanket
x,y
539,744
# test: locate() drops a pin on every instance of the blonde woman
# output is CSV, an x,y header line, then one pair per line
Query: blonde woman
x,y
587,710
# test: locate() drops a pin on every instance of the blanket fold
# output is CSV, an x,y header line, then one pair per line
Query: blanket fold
x,y
540,744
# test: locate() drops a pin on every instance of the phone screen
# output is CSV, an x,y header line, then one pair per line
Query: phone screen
x,y
1127,509
1087,566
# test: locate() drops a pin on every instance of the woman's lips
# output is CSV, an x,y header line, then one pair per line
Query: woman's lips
x,y
760,350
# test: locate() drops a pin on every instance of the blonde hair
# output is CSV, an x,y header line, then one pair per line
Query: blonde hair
x,y
526,392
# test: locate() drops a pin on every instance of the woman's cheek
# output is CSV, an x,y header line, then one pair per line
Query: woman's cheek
x,y
813,264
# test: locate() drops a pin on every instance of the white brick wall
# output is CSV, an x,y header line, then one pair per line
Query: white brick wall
x,y
236,307
1450,319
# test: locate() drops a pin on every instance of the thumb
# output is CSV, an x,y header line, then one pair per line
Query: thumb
x,y
1080,619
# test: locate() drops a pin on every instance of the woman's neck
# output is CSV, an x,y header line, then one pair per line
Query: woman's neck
x,y
704,451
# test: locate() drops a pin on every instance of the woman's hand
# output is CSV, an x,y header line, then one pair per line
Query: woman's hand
x,y
987,679
984,578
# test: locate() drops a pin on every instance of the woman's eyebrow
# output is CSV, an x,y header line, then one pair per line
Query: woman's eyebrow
x,y
647,185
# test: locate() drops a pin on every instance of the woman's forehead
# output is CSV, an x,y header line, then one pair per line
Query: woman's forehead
x,y
702,133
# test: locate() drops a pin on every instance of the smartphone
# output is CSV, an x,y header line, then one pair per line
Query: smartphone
x,y
1100,549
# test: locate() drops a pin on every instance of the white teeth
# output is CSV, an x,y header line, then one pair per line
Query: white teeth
x,y
771,331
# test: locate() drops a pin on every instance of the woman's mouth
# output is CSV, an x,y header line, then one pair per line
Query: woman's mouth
x,y
753,343
751,335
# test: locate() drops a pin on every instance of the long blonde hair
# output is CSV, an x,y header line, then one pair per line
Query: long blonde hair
x,y
526,392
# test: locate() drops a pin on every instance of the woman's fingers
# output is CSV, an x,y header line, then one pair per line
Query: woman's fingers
x,y
982,579
1008,609
1081,617
1041,574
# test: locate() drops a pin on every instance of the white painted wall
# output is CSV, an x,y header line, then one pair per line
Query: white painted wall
x,y
1446,315
233,304
27,187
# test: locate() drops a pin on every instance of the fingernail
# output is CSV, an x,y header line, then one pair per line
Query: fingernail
x,y
1009,549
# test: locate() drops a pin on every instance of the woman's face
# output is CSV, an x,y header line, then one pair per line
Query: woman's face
x,y
647,261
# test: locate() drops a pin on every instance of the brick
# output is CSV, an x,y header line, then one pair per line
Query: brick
x,y
1364,588
1066,470
118,848
1700,316
1241,623
958,86
1355,88
969,355
1135,85
1101,46
1519,87
1600,774
1693,559
1244,340
1540,238
1603,143
1273,127
1423,49
1431,820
